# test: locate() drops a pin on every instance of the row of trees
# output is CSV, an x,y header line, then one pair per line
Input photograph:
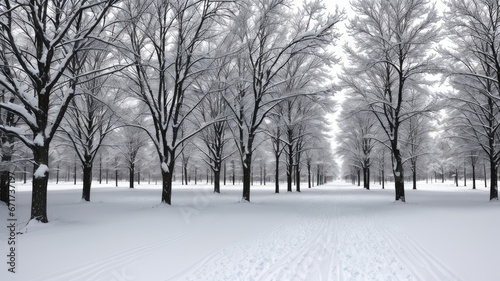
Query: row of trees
x,y
207,74
393,105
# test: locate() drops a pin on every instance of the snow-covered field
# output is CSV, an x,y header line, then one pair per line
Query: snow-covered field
x,y
334,232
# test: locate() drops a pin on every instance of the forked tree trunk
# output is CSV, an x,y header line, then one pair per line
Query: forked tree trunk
x,y
166,194
40,182
87,181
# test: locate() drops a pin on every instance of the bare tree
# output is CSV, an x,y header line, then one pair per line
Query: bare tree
x,y
41,39
91,116
270,34
357,140
167,40
475,74
391,56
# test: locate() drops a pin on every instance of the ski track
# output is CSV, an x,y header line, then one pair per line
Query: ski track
x,y
333,239
107,268
330,240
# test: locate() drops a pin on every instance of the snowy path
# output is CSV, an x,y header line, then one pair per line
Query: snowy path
x,y
330,239
335,232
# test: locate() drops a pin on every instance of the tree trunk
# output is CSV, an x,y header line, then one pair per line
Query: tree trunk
x,y
399,176
383,179
485,180
359,176
40,182
234,168
247,170
317,176
131,173
166,195
87,181
368,178
265,173
276,174
493,180
5,186
456,177
139,175
297,177
57,174
473,176
100,169
309,175
217,180
414,175
261,174
225,172
465,176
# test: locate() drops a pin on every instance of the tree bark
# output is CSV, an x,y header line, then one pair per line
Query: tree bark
x,y
131,173
39,193
166,195
297,177
485,180
5,186
276,174
473,176
87,181
247,170
309,175
398,175
359,176
493,180
217,180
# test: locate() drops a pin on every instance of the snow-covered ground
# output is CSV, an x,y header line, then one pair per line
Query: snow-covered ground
x,y
334,232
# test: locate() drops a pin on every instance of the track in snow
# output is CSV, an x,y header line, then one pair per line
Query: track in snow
x,y
332,239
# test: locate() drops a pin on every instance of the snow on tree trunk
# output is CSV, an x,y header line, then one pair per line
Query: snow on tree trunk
x,y
40,182
399,176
